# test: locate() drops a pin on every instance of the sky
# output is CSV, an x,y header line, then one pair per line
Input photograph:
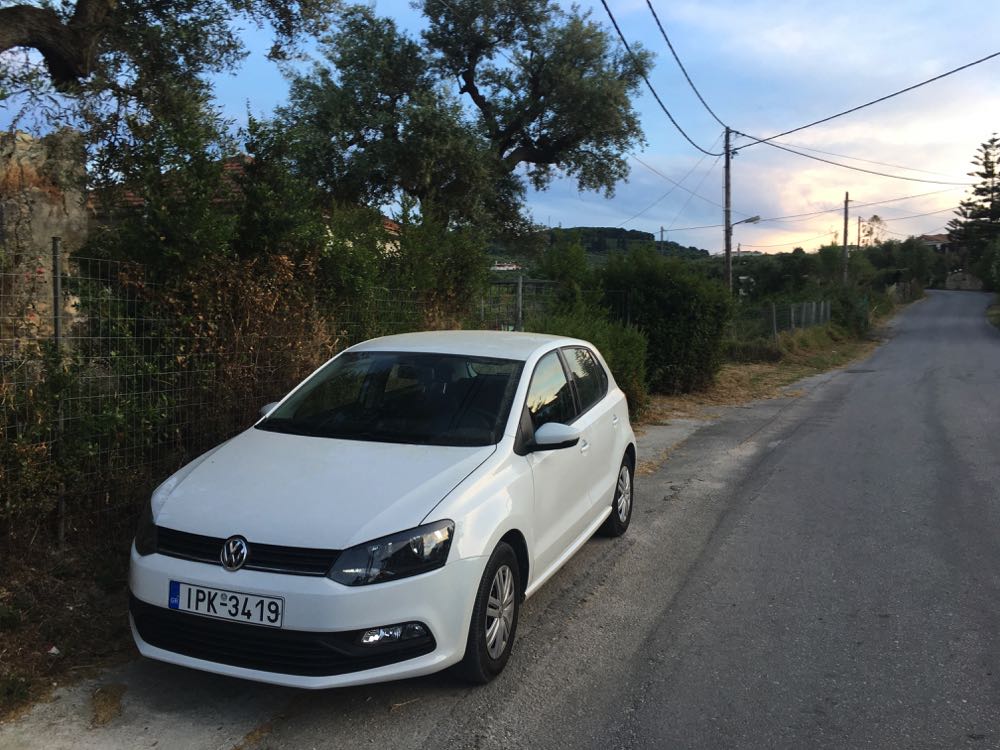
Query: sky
x,y
765,66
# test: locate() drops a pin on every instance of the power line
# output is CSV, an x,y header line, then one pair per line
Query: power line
x,y
797,242
681,65
858,158
694,193
673,181
649,85
671,190
838,209
917,216
873,101
857,169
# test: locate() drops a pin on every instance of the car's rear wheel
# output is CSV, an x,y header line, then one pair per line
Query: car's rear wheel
x,y
621,502
494,617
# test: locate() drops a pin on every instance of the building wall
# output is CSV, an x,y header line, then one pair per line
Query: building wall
x,y
41,196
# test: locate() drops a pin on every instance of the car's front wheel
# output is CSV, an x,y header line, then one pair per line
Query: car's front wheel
x,y
494,617
621,501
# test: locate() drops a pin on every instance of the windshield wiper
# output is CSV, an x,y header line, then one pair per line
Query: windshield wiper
x,y
287,427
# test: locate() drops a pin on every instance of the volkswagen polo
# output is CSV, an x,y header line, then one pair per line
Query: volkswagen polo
x,y
388,517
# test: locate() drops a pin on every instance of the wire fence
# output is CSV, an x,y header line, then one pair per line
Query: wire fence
x,y
768,321
105,390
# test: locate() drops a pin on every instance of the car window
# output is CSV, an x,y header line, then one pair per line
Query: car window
x,y
549,395
403,397
588,374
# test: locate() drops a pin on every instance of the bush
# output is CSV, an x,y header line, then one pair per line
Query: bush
x,y
683,314
849,309
623,347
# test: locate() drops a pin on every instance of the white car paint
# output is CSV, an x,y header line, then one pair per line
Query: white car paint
x,y
327,493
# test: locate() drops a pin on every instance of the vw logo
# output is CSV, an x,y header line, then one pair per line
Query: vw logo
x,y
234,553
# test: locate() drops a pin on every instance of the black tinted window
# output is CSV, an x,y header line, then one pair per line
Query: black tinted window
x,y
403,397
591,382
549,395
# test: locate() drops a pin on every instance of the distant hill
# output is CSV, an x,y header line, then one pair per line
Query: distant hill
x,y
604,240
598,242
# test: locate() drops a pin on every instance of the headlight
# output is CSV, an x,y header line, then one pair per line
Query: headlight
x,y
407,553
145,533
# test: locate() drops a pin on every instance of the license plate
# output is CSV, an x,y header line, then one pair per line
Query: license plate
x,y
226,605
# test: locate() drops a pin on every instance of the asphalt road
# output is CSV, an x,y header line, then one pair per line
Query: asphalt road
x,y
821,570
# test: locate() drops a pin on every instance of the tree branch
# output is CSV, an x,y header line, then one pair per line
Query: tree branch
x,y
468,76
69,48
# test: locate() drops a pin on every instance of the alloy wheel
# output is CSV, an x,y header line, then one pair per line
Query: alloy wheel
x,y
500,612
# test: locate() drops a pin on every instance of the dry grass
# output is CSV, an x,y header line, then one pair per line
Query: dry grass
x,y
107,704
805,353
61,618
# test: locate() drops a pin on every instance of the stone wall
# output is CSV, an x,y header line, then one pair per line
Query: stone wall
x,y
963,281
42,195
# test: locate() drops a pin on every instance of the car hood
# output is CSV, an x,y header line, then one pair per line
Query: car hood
x,y
301,491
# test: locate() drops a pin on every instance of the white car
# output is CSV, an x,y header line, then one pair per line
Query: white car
x,y
388,517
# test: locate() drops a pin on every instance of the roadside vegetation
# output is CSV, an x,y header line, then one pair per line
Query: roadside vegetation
x,y
993,314
227,264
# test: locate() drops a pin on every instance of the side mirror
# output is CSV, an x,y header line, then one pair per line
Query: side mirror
x,y
555,435
266,408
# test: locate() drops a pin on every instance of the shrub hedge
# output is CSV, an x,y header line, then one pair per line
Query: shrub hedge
x,y
682,313
623,347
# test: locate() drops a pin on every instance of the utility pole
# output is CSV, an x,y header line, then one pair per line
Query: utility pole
x,y
727,214
662,248
847,199
859,232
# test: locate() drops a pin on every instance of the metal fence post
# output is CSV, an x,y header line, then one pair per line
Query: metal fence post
x,y
57,340
791,314
519,324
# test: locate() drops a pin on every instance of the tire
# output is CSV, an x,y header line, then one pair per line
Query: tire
x,y
491,637
621,501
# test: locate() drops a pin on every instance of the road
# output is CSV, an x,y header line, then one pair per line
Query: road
x,y
820,570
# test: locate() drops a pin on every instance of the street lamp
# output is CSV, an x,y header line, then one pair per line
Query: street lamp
x,y
729,246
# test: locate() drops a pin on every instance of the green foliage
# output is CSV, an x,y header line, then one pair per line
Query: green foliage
x,y
849,310
977,224
623,346
167,201
683,315
447,263
279,211
565,262
380,122
990,266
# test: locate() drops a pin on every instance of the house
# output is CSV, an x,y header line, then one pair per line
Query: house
x,y
940,243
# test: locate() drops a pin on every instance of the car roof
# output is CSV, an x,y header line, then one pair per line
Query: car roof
x,y
498,344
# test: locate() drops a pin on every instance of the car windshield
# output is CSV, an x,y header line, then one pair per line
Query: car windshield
x,y
403,397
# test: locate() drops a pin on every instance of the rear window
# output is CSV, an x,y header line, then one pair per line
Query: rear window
x,y
588,374
403,397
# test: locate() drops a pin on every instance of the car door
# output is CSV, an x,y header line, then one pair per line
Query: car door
x,y
561,484
597,425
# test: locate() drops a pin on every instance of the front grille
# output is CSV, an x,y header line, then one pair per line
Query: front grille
x,y
301,561
267,649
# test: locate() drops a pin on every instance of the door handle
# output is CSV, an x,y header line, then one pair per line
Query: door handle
x,y
614,420
584,446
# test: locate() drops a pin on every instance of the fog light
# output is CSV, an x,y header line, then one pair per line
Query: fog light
x,y
393,633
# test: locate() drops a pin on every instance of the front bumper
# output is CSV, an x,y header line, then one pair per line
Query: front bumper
x,y
314,648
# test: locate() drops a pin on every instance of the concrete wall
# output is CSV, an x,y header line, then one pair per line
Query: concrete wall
x,y
41,196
